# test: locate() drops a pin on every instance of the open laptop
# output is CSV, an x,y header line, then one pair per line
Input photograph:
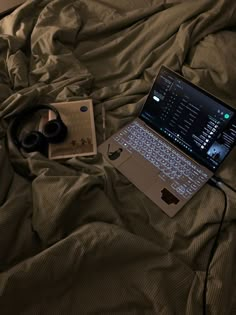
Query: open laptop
x,y
179,140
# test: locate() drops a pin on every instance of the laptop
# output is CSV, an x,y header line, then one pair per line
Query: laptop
x,y
180,138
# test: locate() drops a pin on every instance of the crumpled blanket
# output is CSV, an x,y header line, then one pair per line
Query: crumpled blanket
x,y
76,237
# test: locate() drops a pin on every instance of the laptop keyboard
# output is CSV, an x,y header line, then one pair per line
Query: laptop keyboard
x,y
187,177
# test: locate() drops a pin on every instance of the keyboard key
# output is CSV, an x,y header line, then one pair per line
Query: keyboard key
x,y
190,190
175,185
194,186
186,194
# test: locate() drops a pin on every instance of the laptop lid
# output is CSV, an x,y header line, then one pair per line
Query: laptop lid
x,y
195,121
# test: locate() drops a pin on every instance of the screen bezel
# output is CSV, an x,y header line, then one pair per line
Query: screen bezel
x,y
201,90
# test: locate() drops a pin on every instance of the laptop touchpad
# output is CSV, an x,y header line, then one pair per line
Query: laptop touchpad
x,y
139,173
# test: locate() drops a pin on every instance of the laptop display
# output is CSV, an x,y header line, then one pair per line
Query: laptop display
x,y
195,121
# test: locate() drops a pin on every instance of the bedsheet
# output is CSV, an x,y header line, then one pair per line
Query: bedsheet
x,y
76,237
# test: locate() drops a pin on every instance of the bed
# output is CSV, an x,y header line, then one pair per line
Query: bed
x,y
76,237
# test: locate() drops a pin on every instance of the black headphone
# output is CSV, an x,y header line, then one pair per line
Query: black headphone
x,y
54,131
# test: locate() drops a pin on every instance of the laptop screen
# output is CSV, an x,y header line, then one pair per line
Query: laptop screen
x,y
195,121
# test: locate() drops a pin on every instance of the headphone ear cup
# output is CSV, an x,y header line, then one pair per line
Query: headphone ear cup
x,y
55,131
34,141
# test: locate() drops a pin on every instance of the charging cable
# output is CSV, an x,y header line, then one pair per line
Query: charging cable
x,y
218,183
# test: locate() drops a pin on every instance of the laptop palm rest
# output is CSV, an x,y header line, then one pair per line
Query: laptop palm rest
x,y
148,181
143,175
165,198
139,172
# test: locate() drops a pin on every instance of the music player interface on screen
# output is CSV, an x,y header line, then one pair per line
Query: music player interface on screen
x,y
199,124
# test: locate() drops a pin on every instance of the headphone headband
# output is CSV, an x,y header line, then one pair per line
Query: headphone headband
x,y
37,108
23,115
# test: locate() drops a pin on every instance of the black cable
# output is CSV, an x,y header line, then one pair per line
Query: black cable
x,y
216,182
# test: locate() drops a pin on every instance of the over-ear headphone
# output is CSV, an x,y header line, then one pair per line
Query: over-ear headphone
x,y
54,131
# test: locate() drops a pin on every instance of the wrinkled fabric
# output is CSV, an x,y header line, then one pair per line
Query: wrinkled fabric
x,y
76,236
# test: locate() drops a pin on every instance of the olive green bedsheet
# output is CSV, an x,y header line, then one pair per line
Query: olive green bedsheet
x,y
76,237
